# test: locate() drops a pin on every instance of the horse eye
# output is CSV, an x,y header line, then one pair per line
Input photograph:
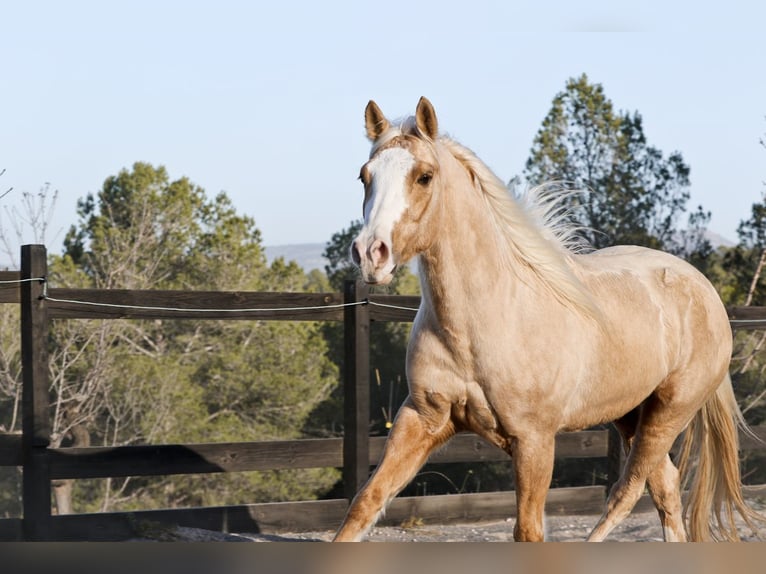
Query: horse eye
x,y
425,179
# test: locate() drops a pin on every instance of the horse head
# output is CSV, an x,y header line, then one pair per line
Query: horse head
x,y
400,181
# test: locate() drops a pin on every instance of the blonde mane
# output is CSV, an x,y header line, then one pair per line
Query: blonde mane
x,y
535,230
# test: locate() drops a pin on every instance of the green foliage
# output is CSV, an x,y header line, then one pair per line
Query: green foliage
x,y
744,262
340,267
10,405
743,269
10,369
162,381
143,230
635,195
10,492
316,282
271,394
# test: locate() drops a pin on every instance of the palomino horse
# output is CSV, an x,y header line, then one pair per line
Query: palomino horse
x,y
519,337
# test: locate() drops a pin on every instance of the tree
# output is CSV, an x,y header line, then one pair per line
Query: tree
x,y
745,262
340,267
635,195
29,219
10,405
744,266
130,382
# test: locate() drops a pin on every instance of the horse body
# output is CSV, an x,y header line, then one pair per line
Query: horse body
x,y
518,337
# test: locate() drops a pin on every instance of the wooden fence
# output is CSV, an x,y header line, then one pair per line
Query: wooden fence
x,y
355,453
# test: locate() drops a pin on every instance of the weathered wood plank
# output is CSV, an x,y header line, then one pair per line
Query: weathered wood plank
x,y
34,349
451,508
752,317
36,423
153,460
146,460
467,447
315,515
470,448
356,388
150,304
748,318
397,308
582,444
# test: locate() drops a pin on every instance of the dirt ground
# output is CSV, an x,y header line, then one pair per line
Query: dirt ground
x,y
638,527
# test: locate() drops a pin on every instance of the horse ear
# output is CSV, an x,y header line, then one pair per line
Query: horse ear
x,y
425,118
374,121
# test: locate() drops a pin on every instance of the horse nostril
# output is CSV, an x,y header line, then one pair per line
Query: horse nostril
x,y
379,253
383,251
356,257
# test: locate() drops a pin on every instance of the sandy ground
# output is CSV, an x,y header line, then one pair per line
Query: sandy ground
x,y
638,527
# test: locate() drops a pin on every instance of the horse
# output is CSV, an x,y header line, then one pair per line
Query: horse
x,y
521,335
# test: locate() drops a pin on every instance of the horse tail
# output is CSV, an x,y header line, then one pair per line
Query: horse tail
x,y
715,489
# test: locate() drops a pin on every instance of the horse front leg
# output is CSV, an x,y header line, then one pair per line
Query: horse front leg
x,y
412,439
533,465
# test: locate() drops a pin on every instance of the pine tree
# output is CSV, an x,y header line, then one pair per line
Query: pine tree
x,y
164,381
633,194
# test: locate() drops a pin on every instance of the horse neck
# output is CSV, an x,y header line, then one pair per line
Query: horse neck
x,y
467,262
486,249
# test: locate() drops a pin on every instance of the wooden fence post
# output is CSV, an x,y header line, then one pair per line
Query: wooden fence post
x,y
356,433
36,425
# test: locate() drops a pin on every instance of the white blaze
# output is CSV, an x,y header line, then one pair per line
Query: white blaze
x,y
387,200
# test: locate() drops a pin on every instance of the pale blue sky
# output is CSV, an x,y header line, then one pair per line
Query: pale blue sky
x,y
265,100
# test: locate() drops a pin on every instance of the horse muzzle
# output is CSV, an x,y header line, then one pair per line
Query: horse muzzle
x,y
375,261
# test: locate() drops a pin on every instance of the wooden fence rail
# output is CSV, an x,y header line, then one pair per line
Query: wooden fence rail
x,y
355,453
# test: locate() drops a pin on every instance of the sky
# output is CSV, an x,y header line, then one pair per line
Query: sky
x,y
265,100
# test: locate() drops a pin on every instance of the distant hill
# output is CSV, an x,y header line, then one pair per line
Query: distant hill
x,y
307,255
718,240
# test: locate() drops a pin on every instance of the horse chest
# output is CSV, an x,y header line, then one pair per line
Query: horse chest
x,y
453,351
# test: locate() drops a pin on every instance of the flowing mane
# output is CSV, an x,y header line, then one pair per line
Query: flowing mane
x,y
535,230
